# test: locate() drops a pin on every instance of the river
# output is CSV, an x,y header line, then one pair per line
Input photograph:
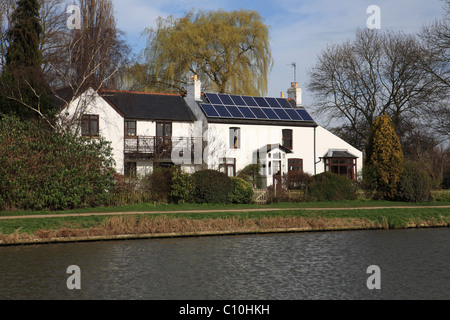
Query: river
x,y
413,264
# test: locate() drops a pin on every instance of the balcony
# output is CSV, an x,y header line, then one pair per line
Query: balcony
x,y
157,148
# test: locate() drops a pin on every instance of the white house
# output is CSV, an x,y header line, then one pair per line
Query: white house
x,y
215,131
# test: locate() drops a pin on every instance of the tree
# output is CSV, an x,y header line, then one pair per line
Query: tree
x,y
384,159
229,51
96,52
376,73
25,91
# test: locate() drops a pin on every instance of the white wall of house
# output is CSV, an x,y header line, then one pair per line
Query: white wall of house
x,y
325,140
111,123
309,144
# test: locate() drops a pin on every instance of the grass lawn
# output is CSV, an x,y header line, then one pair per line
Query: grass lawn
x,y
393,217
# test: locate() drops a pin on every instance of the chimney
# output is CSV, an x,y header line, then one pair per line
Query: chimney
x,y
282,95
194,88
295,93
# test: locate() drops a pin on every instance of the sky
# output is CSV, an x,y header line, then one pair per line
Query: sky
x,y
299,29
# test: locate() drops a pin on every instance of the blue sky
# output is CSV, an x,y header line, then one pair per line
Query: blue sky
x,y
299,29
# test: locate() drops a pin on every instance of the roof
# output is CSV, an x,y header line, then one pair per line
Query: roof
x,y
225,108
271,147
339,154
149,106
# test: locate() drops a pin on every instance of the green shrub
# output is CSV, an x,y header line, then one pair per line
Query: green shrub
x,y
242,191
414,184
297,180
159,184
42,169
182,187
211,186
252,174
329,186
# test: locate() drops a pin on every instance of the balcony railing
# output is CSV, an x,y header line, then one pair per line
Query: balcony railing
x,y
158,147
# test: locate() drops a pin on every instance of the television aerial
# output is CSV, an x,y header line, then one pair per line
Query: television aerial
x,y
294,65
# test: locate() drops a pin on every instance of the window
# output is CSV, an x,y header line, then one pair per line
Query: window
x,y
130,128
342,166
228,166
235,138
164,129
287,139
163,137
130,169
276,168
89,125
295,164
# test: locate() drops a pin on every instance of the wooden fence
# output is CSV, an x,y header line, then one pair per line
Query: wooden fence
x,y
263,196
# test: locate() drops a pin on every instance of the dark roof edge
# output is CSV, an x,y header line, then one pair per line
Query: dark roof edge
x,y
279,123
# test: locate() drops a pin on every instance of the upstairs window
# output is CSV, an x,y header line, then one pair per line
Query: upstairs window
x,y
235,138
287,139
89,125
130,128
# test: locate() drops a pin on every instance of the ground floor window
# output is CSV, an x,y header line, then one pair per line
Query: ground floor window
x,y
228,166
342,166
295,164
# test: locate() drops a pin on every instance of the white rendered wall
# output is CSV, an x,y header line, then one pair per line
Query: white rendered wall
x,y
325,140
111,123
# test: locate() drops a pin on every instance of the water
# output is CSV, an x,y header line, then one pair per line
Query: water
x,y
414,264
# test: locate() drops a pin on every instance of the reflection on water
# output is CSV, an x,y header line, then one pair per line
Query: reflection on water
x,y
331,265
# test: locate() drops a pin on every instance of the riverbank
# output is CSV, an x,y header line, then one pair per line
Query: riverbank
x,y
33,228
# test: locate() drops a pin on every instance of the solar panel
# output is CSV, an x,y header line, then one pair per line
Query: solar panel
x,y
284,103
261,102
250,101
223,112
305,115
234,111
281,114
273,102
238,100
226,99
246,107
293,115
213,98
247,112
270,114
209,110
258,113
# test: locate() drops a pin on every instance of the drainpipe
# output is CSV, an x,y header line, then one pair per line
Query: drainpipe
x,y
315,171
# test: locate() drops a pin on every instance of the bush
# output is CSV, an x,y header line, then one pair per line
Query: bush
x,y
297,180
414,184
242,191
211,186
329,186
159,184
182,187
252,174
42,169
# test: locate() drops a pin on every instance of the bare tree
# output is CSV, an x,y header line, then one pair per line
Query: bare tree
x,y
376,73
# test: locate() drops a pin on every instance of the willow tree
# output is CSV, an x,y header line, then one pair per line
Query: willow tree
x,y
229,51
